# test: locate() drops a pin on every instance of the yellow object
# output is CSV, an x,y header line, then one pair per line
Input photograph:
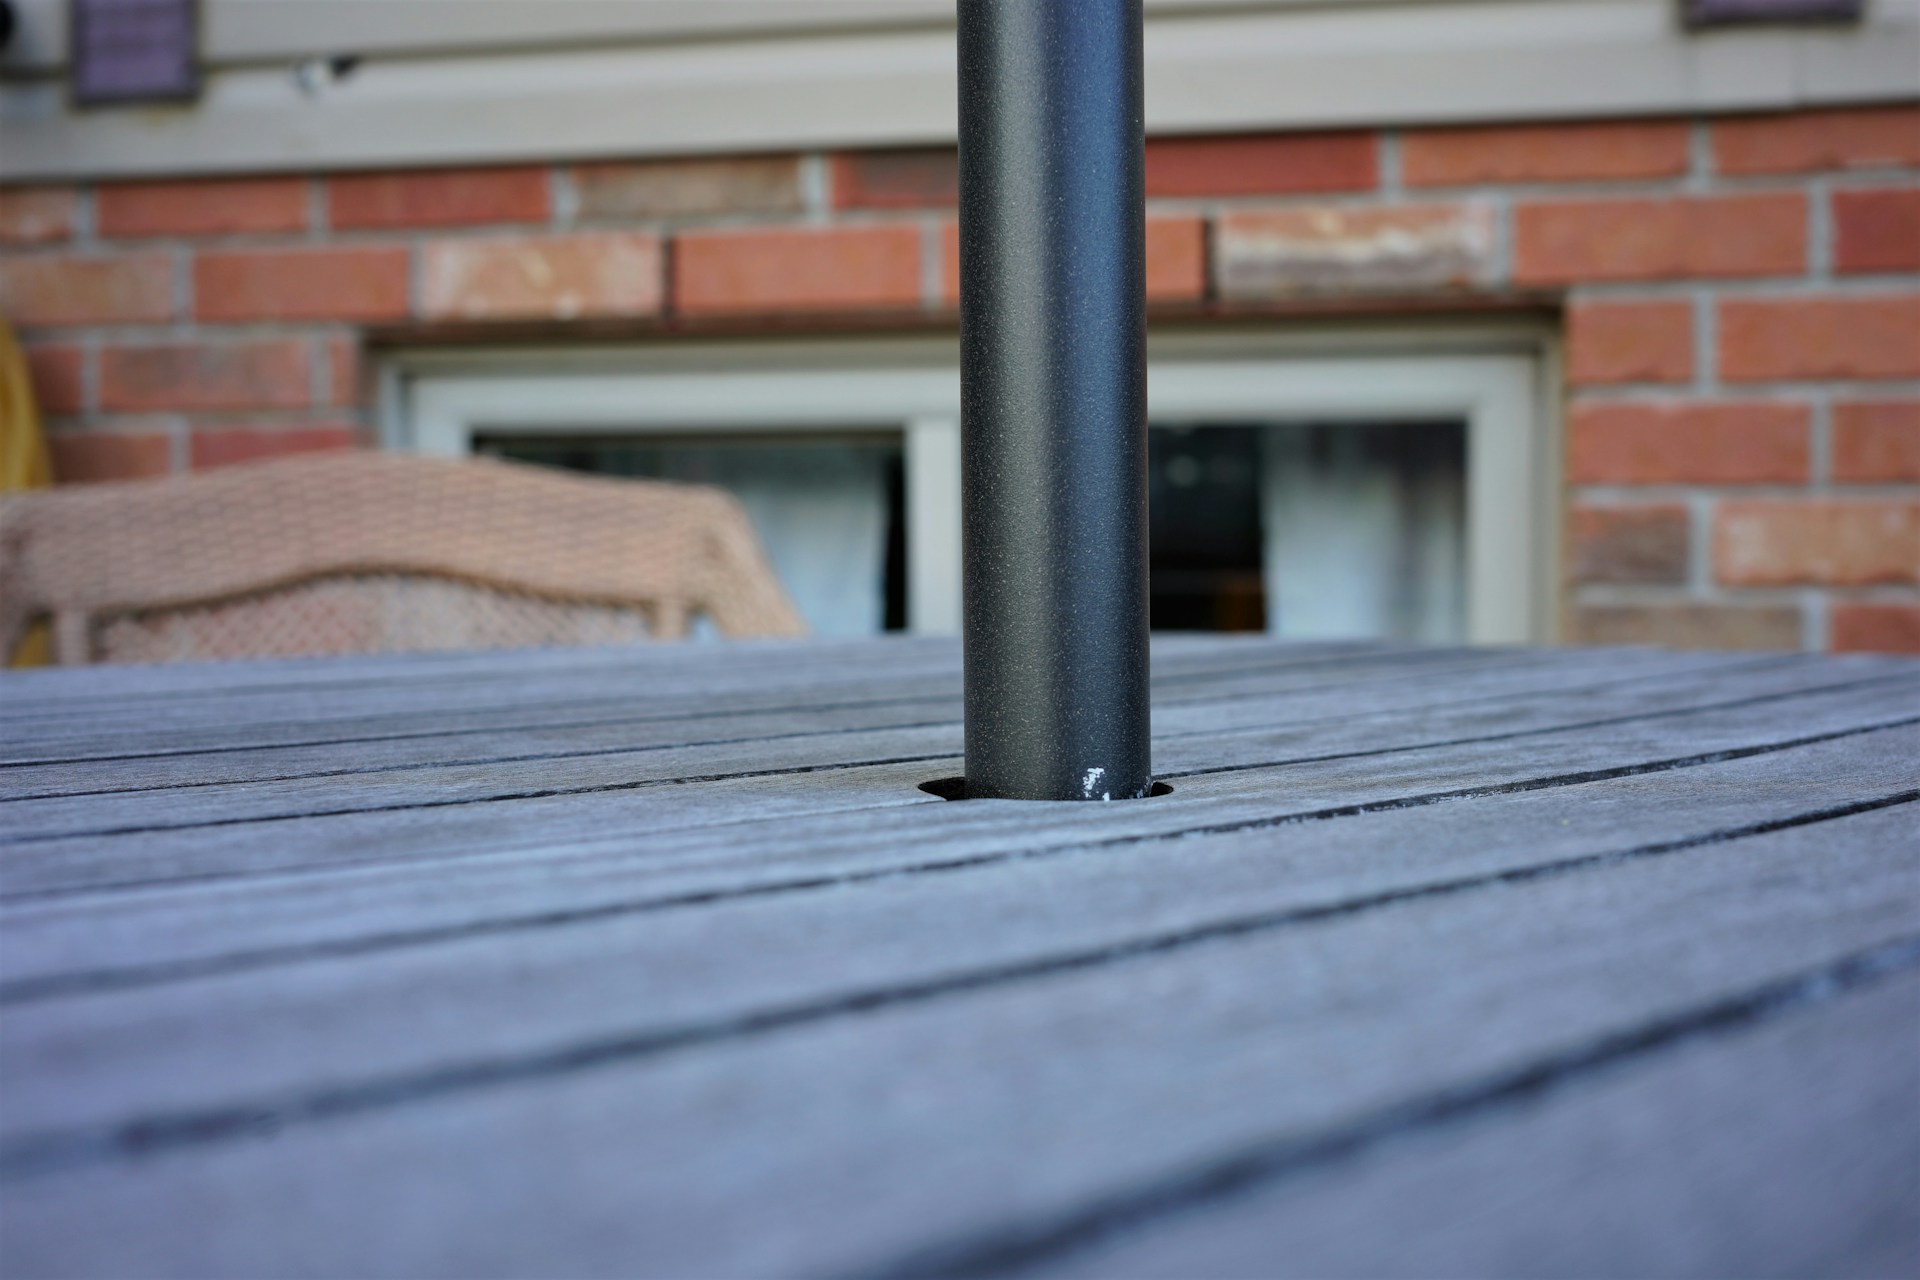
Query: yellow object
x,y
24,464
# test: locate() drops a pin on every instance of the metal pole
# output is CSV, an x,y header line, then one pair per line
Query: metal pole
x,y
1053,399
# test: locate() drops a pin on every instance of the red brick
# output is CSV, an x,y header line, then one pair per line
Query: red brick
x,y
1875,628
845,268
1176,260
1261,164
344,371
57,376
1786,542
1803,142
36,215
1578,240
1872,336
224,446
268,374
690,188
300,284
1627,544
602,273
1333,249
124,288
1756,443
1609,342
1687,626
441,198
1876,230
950,263
1544,153
87,457
214,207
921,179
1876,441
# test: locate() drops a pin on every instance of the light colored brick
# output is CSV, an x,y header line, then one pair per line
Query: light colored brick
x,y
916,179
1591,152
1808,141
1627,544
1876,230
1763,442
120,288
1876,442
1788,542
1281,252
57,374
1865,336
1614,342
264,374
211,447
366,284
562,277
690,188
36,215
213,207
836,269
1567,241
1687,626
437,198
88,457
1871,627
1261,164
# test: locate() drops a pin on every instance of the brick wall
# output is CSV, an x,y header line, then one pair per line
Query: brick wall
x,y
1740,300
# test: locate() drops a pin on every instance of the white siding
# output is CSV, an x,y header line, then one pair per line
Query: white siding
x,y
466,81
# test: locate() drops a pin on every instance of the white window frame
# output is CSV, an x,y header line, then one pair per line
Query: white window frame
x,y
1497,381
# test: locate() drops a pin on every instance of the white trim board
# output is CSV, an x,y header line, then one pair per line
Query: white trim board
x,y
914,387
746,87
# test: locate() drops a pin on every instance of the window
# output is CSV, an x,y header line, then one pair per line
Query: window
x,y
1392,490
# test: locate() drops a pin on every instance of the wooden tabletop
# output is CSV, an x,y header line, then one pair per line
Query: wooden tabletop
x,y
658,962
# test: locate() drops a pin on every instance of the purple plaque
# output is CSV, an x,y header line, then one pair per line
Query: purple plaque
x,y
1723,13
133,51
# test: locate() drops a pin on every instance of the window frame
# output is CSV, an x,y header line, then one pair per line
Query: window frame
x,y
1497,380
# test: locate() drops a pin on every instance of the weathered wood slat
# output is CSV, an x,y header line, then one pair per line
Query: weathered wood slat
x,y
1231,701
1786,1148
505,701
502,688
1185,744
354,1014
174,692
852,1135
709,822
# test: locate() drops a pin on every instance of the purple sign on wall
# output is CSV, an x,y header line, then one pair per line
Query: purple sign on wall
x,y
133,51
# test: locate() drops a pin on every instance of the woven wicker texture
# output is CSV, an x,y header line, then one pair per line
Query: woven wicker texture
x,y
372,552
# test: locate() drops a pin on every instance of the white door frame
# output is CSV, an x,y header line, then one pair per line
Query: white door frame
x,y
436,403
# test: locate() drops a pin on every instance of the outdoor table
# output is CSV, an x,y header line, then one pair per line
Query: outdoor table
x,y
659,961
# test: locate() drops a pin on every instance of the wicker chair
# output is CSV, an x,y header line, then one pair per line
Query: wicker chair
x,y
370,552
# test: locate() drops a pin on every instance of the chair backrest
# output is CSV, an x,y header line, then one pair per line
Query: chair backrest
x,y
370,552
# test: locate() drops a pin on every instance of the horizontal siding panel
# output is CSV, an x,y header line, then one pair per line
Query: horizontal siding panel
x,y
1280,64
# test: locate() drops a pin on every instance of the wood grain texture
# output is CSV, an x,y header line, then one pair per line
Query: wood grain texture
x,y
1477,962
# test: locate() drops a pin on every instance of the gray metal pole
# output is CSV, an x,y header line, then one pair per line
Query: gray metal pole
x,y
1053,399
